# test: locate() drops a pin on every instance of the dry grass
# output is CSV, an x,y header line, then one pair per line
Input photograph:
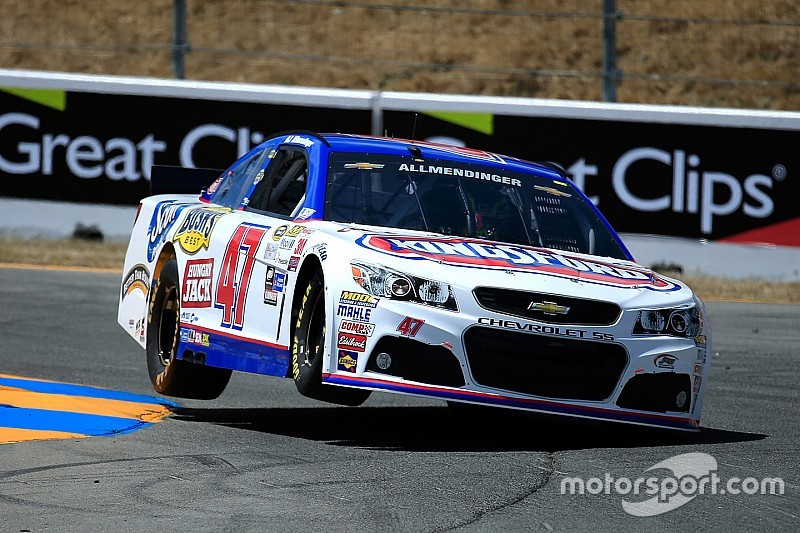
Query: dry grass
x,y
747,290
110,255
491,47
62,252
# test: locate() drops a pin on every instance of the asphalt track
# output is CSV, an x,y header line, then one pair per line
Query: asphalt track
x,y
262,458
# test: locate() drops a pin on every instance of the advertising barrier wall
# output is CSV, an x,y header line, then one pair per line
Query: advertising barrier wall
x,y
720,175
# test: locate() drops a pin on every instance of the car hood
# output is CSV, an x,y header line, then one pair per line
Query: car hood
x,y
468,263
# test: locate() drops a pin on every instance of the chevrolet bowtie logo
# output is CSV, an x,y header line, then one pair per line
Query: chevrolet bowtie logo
x,y
549,308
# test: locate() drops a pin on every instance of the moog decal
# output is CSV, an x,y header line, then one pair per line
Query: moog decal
x,y
489,255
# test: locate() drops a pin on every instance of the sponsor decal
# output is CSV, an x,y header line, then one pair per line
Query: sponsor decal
x,y
184,334
274,281
351,341
164,216
321,250
259,177
347,360
665,361
197,278
357,313
410,326
700,340
270,297
271,250
294,231
196,337
189,317
287,243
545,329
194,233
137,279
459,172
358,298
140,324
357,327
297,139
279,282
278,233
294,261
301,244
306,213
482,254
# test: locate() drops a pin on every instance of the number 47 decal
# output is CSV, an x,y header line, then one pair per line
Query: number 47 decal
x,y
234,275
410,326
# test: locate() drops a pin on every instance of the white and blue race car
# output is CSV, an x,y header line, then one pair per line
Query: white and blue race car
x,y
353,264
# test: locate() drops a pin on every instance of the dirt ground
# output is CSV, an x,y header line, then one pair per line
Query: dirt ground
x,y
681,52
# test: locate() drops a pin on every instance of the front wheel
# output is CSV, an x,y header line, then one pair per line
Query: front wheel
x,y
308,348
171,376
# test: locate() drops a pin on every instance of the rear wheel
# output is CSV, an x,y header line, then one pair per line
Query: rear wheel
x,y
171,376
308,348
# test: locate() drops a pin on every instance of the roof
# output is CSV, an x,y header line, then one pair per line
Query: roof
x,y
345,142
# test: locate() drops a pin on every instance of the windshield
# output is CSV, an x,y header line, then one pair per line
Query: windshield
x,y
466,200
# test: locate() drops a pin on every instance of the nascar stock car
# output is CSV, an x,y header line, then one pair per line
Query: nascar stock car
x,y
353,264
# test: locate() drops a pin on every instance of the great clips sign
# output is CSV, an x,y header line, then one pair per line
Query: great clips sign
x,y
706,182
99,148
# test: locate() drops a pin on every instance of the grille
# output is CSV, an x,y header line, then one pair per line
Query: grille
x,y
544,366
581,312
417,361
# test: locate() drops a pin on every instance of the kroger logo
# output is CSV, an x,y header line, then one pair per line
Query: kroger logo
x,y
488,255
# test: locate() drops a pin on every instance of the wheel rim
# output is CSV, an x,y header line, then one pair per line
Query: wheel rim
x,y
168,327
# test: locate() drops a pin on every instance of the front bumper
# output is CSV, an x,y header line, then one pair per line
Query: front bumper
x,y
483,357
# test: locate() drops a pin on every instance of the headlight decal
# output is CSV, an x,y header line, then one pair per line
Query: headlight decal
x,y
383,282
683,321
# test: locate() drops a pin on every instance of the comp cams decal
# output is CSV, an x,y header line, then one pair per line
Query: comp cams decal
x,y
358,328
488,255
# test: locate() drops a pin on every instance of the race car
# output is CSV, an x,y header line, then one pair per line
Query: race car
x,y
353,264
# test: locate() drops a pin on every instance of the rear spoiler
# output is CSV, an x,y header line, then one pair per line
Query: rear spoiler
x,y
166,179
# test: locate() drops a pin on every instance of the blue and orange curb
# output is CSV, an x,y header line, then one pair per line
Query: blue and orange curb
x,y
33,409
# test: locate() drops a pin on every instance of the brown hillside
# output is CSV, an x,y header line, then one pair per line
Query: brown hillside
x,y
670,51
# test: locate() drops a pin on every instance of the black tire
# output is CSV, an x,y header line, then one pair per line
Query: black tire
x,y
308,347
171,376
